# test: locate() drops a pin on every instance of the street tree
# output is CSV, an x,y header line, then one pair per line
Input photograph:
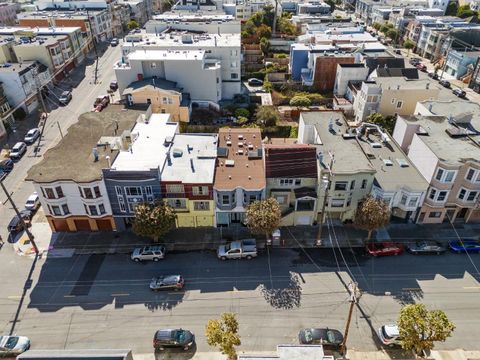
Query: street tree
x,y
385,27
266,115
371,214
409,45
153,220
224,334
419,327
263,216
300,101
392,34
465,11
377,26
132,24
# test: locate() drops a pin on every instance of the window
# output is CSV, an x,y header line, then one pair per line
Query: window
x,y
225,200
101,208
96,190
65,209
352,185
336,202
434,214
93,210
403,201
442,195
200,190
118,190
286,182
218,80
470,174
56,210
298,181
149,101
177,203
153,65
175,188
281,199
472,195
147,190
252,198
413,202
48,192
341,185
446,176
121,204
87,193
233,76
59,191
133,190
201,205
399,104
462,193
364,184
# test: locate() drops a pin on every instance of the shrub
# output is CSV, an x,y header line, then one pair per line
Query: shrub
x,y
241,112
300,101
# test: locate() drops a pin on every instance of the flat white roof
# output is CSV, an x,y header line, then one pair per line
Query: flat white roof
x,y
176,39
167,55
192,17
192,159
39,30
148,150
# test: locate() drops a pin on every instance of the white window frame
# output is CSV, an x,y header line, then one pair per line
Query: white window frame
x,y
444,175
437,193
475,177
175,188
286,182
121,204
127,190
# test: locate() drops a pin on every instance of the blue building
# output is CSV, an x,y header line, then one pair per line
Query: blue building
x,y
458,62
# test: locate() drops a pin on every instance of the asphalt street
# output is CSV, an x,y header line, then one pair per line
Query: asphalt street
x,y
64,116
103,301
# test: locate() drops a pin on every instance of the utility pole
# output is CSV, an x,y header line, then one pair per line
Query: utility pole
x,y
94,48
59,129
328,177
355,294
446,59
24,226
44,108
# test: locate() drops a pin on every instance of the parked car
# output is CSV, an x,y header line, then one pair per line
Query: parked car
x,y
398,52
15,224
65,97
173,338
426,247
154,253
114,85
433,75
330,339
464,246
31,136
445,83
255,82
18,150
33,202
101,102
414,61
6,165
389,335
246,248
459,92
421,67
384,248
11,346
167,282
114,42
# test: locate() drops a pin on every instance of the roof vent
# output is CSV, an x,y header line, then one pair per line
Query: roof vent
x,y
168,140
177,153
222,152
388,162
376,145
229,162
402,162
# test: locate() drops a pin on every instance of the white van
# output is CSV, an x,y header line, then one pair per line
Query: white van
x,y
389,335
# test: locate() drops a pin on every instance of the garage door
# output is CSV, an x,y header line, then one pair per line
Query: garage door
x,y
104,225
186,221
303,220
60,225
82,225
204,220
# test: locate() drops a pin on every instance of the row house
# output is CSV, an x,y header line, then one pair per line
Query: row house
x,y
5,112
8,13
208,22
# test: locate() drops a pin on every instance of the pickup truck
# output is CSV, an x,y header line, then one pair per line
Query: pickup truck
x,y
101,103
246,248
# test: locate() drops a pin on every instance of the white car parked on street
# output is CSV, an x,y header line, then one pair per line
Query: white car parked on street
x,y
33,202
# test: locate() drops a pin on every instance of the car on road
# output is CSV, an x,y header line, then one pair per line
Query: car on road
x,y
114,85
389,335
414,61
31,136
114,42
384,248
65,97
18,150
330,339
445,84
460,93
101,102
465,246
426,248
167,282
398,52
6,165
433,75
255,82
15,224
154,253
241,249
173,338
421,67
33,202
11,346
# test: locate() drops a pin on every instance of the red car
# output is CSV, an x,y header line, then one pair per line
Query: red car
x,y
384,248
421,67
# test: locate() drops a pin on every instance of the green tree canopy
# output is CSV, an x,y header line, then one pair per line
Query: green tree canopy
x,y
464,11
377,26
385,27
420,328
153,220
132,24
242,112
452,8
371,214
263,31
392,34
300,101
224,334
263,216
266,116
264,46
385,122
285,26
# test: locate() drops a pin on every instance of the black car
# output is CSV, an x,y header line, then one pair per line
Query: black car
x,y
168,282
255,82
15,224
445,83
330,339
459,92
6,165
433,75
173,338
426,248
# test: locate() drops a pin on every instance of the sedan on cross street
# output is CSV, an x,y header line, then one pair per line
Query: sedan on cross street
x,y
421,67
330,339
445,83
465,246
13,345
173,338
6,165
384,248
255,82
426,248
389,335
167,282
459,92
31,136
65,97
433,75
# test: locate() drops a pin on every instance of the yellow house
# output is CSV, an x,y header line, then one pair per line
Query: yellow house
x,y
163,95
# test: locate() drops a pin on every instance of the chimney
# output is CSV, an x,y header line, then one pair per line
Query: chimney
x,y
108,160
95,154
